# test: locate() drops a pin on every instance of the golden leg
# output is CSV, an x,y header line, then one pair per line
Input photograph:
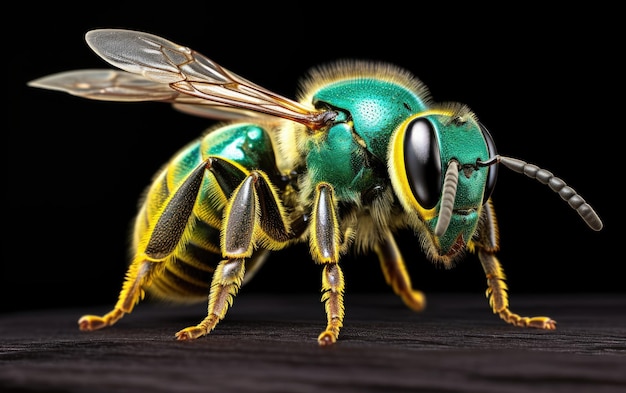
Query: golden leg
x,y
396,275
498,298
332,288
226,282
130,295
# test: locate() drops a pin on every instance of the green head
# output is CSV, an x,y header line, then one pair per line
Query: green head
x,y
434,167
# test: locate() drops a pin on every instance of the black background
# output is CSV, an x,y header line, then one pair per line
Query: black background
x,y
543,82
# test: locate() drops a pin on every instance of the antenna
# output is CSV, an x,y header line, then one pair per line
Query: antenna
x,y
557,185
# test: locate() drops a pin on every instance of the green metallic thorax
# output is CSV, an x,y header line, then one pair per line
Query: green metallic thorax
x,y
370,110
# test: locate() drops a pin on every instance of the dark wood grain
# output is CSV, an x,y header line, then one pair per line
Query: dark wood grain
x,y
267,343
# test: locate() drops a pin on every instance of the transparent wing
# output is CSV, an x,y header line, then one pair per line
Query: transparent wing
x,y
107,85
114,85
156,69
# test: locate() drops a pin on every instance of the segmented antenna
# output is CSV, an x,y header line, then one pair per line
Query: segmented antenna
x,y
447,199
557,185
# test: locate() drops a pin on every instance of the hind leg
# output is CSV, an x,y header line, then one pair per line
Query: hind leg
x,y
131,293
170,222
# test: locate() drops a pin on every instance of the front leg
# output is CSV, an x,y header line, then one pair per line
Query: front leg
x,y
487,245
325,243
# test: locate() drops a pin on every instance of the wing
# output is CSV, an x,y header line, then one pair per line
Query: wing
x,y
155,69
107,85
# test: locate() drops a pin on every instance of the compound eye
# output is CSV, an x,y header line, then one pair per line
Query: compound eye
x,y
492,174
422,160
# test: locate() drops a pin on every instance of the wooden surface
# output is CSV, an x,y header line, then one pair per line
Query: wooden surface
x,y
267,343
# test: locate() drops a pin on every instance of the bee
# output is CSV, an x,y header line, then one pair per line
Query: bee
x,y
363,153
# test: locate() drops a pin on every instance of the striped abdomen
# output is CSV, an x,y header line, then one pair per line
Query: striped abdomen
x,y
186,273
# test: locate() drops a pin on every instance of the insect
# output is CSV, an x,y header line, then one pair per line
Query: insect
x,y
362,153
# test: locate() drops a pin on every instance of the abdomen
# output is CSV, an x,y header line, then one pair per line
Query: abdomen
x,y
185,275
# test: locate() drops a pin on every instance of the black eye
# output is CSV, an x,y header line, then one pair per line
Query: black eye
x,y
423,162
492,175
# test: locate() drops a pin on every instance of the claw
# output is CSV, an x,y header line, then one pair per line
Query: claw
x,y
190,333
327,338
89,323
541,323
415,300
544,323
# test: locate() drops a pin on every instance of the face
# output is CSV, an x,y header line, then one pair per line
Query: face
x,y
433,153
